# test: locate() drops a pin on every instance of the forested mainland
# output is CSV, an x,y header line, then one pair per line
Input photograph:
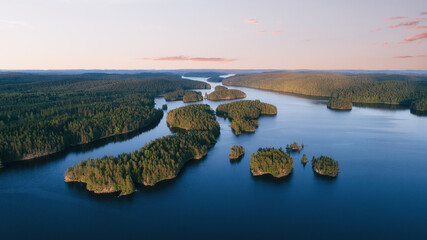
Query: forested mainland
x,y
275,162
223,93
404,89
158,160
243,114
41,116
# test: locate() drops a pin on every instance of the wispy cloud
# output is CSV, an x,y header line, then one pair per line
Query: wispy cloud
x,y
13,24
375,30
395,18
419,27
406,57
261,31
279,22
423,13
278,32
415,37
410,23
252,21
192,59
385,44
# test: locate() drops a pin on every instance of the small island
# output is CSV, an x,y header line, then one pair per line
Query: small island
x,y
165,107
419,107
243,114
340,104
185,95
215,79
158,160
304,159
223,93
275,162
236,152
325,166
294,147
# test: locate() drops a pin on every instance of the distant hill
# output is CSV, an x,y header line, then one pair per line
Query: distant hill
x,y
356,87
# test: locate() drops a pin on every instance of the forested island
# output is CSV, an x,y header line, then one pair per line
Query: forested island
x,y
340,104
271,161
158,160
325,166
223,93
243,114
185,95
293,147
419,106
304,159
354,87
38,118
236,152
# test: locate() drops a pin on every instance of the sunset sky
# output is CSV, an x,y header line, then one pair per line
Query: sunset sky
x,y
225,34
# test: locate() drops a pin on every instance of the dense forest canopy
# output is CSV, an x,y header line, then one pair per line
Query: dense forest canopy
x,y
236,152
158,160
223,93
339,104
43,117
243,114
325,166
271,161
185,95
363,88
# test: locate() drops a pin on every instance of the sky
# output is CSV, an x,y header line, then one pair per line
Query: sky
x,y
213,34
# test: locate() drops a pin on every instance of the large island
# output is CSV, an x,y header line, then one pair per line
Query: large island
x,y
158,160
243,114
184,95
223,93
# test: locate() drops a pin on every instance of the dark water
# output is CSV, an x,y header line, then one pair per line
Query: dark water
x,y
380,193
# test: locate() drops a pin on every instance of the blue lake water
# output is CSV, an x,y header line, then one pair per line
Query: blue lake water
x,y
380,193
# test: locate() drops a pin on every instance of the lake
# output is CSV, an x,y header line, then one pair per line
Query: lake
x,y
380,192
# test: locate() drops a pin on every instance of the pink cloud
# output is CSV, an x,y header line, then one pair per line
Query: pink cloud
x,y
385,44
252,21
193,59
395,18
423,13
375,30
279,22
409,23
406,57
261,31
278,32
418,27
415,37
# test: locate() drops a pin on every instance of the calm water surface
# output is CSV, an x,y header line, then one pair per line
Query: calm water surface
x,y
380,193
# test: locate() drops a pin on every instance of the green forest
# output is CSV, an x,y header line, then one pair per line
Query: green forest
x,y
339,104
185,95
236,152
272,161
158,160
43,117
361,88
223,93
243,114
325,166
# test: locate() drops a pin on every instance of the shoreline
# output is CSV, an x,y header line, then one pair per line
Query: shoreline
x,y
80,145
